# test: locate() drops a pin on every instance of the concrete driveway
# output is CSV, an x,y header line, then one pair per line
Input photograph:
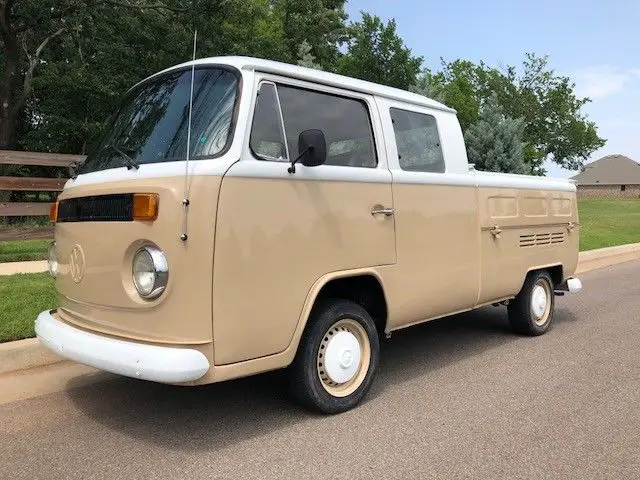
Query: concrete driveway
x,y
457,398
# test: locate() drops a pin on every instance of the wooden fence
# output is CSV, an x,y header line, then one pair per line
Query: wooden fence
x,y
30,184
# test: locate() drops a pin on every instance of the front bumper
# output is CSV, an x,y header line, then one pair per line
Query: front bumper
x,y
131,359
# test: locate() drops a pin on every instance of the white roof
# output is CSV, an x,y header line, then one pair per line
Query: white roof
x,y
318,76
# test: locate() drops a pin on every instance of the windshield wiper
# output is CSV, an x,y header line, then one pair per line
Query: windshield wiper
x,y
128,161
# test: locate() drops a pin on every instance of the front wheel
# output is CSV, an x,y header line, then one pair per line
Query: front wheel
x,y
337,357
531,312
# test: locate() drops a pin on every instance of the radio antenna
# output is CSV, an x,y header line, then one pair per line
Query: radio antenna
x,y
185,196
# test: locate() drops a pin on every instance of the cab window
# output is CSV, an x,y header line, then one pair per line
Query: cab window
x,y
417,141
345,122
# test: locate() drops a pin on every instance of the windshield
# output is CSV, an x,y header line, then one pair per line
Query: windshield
x,y
151,124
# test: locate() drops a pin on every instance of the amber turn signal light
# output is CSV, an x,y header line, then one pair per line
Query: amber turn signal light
x,y
53,212
145,206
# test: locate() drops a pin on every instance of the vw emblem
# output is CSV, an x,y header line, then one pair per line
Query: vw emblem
x,y
76,264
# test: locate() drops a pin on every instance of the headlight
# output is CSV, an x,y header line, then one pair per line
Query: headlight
x,y
150,272
52,260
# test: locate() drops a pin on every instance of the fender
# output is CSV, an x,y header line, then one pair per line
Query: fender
x,y
284,358
315,290
541,267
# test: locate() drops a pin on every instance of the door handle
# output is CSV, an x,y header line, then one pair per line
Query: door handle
x,y
377,210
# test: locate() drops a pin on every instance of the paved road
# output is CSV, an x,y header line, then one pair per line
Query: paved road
x,y
458,398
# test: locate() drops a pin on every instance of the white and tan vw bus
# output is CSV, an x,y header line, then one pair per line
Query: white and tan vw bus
x,y
241,215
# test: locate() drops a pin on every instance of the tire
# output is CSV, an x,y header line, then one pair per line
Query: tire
x,y
324,375
531,312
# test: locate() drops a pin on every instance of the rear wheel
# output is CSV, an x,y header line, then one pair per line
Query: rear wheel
x,y
337,358
531,312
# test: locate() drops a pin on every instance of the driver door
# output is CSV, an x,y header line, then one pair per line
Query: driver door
x,y
277,232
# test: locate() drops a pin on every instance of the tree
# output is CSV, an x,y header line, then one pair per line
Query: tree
x,y
426,87
555,128
318,23
39,34
460,88
305,58
494,143
237,27
107,46
377,53
68,62
86,73
22,47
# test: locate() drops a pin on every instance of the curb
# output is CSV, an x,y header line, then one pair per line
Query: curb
x,y
604,257
30,353
25,354
12,268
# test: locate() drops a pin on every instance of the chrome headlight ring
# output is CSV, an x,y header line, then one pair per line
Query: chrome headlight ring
x,y
150,272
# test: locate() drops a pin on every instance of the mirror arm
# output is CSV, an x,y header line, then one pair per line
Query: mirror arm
x,y
292,168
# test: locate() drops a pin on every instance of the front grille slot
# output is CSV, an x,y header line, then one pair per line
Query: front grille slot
x,y
539,239
97,208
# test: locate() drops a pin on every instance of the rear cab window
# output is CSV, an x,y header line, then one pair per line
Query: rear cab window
x,y
417,141
282,112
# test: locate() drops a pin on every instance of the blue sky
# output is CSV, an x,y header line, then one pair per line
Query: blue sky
x,y
595,43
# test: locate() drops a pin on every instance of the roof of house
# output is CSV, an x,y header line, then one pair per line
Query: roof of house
x,y
313,75
610,170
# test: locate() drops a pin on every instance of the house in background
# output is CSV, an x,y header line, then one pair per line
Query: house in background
x,y
611,176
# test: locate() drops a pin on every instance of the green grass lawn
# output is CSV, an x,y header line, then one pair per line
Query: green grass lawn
x,y
23,250
22,297
607,223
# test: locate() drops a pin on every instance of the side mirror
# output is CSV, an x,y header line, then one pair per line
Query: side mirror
x,y
312,149
313,146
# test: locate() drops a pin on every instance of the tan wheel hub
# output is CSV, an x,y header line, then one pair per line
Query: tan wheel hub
x,y
343,358
541,302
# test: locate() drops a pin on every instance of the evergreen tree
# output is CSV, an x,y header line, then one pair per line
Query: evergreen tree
x,y
305,57
494,142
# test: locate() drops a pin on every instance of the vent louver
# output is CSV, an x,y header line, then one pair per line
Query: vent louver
x,y
538,239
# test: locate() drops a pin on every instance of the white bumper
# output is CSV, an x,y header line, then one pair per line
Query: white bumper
x,y
137,360
571,285
574,285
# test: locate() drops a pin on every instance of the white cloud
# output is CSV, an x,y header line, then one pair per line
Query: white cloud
x,y
601,82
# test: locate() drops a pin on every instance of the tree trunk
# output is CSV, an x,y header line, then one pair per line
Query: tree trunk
x,y
7,118
13,99
7,130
